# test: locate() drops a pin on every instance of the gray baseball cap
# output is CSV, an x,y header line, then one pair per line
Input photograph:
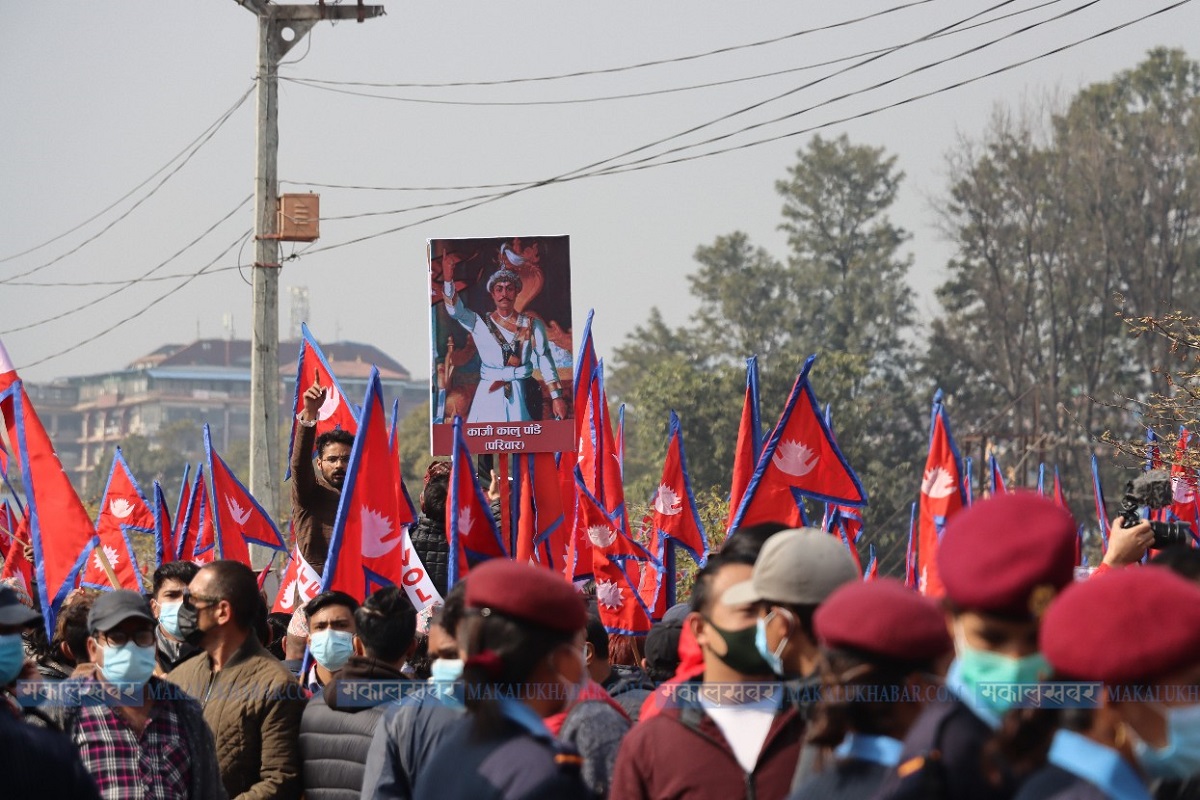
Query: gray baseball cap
x,y
799,566
113,608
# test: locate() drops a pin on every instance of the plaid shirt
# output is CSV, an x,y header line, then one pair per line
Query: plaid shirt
x,y
126,766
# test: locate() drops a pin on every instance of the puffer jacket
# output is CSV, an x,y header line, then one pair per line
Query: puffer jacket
x,y
253,706
335,739
429,539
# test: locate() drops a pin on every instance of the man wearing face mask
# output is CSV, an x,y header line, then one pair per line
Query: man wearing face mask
x,y
1144,726
729,732
338,724
170,582
332,637
138,737
250,701
409,733
1003,560
15,618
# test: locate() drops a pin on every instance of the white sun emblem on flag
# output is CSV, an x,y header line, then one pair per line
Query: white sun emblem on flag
x,y
239,514
465,521
601,535
795,458
120,507
609,594
667,502
1183,491
378,534
938,483
111,554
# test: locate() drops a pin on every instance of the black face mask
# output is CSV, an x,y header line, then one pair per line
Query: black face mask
x,y
189,624
741,654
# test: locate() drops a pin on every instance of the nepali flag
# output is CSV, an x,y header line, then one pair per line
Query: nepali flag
x,y
162,525
408,514
585,365
1183,484
872,570
997,477
799,459
749,442
597,452
621,606
674,518
16,565
1153,456
238,517
1059,497
968,481
59,526
122,508
941,497
910,552
196,535
620,440
848,533
542,533
185,498
1098,500
470,527
298,584
336,411
364,549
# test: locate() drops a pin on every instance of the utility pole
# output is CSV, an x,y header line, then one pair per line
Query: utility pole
x,y
280,28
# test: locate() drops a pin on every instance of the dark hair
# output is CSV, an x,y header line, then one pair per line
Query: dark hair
x,y
433,498
326,599
702,587
237,584
71,628
419,663
840,710
277,624
662,664
502,655
335,436
386,623
1182,560
597,637
449,614
748,541
1022,743
182,571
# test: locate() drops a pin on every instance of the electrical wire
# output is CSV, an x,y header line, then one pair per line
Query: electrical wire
x,y
640,65
870,112
196,143
157,278
71,311
322,85
100,334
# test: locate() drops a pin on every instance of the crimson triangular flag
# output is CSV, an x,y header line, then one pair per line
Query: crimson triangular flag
x,y
298,584
238,517
122,507
470,527
941,497
337,411
749,442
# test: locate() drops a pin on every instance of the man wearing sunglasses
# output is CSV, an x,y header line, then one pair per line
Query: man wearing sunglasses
x,y
137,736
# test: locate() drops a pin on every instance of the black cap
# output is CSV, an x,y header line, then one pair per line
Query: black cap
x,y
113,608
662,646
13,611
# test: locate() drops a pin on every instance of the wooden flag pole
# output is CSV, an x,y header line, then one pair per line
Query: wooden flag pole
x,y
107,566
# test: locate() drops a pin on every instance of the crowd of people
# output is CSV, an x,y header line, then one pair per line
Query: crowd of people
x,y
785,675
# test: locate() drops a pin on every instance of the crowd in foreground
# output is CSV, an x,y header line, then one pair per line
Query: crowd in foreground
x,y
785,676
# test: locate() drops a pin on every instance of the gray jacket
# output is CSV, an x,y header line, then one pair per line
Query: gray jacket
x,y
404,741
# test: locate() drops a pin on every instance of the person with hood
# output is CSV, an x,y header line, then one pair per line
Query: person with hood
x,y
339,724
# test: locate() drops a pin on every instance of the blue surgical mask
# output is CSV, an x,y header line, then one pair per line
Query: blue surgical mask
x,y
774,658
12,657
332,649
127,663
168,618
444,676
978,667
1180,757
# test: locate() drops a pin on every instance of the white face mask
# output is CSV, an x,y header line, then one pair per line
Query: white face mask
x,y
1180,756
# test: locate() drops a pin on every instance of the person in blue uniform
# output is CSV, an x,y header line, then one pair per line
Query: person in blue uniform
x,y
884,649
1137,632
1003,560
523,634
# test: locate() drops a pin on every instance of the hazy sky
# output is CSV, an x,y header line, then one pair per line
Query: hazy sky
x,y
98,96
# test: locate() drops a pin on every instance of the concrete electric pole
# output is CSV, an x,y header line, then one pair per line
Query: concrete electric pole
x,y
280,28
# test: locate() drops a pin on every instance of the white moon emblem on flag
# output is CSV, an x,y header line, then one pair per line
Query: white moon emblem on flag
x,y
795,458
609,594
120,507
465,521
332,400
239,514
378,537
666,502
938,483
287,595
601,535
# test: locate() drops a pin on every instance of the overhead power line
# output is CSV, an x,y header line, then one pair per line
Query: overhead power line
x,y
186,154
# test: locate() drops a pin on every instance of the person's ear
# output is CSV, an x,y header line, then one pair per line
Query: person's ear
x,y
94,650
695,623
359,649
223,612
155,608
644,664
589,653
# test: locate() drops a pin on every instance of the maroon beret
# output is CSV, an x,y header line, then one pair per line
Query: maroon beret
x,y
1134,624
1009,554
527,593
884,618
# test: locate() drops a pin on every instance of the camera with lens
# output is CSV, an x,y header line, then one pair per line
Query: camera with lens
x,y
1153,489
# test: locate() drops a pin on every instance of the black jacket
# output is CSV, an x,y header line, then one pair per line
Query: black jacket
x,y
334,740
429,540
37,763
